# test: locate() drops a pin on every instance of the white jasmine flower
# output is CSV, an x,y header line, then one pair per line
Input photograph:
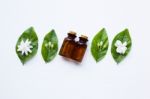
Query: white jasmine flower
x,y
49,44
121,47
25,47
99,44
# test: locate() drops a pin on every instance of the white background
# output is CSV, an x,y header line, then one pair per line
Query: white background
x,y
61,79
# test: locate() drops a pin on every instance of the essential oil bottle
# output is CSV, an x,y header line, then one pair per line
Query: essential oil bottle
x,y
80,48
68,45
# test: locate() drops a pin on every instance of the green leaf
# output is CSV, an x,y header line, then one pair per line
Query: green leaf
x,y
30,35
49,46
123,36
99,45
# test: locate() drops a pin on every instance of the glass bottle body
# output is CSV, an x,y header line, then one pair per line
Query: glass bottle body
x,y
79,49
68,45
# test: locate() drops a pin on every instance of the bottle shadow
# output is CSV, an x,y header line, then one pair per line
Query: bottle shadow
x,y
72,61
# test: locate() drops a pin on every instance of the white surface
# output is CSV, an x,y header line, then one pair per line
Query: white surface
x,y
61,79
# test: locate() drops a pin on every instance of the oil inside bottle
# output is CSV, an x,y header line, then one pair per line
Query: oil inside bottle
x,y
68,45
80,48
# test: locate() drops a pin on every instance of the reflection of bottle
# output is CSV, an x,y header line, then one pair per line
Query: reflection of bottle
x,y
80,48
68,45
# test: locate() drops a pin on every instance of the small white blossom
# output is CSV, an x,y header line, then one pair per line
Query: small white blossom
x,y
25,47
121,47
49,44
99,44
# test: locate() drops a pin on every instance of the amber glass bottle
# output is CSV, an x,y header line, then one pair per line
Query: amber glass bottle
x,y
68,45
80,48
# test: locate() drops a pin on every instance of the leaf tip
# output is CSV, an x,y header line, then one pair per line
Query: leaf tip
x,y
23,63
31,28
103,29
97,61
46,62
117,62
126,30
52,30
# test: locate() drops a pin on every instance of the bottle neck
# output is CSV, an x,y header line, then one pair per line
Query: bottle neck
x,y
82,40
71,36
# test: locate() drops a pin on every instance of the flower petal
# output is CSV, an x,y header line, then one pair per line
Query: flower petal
x,y
118,43
26,52
22,52
119,50
124,50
